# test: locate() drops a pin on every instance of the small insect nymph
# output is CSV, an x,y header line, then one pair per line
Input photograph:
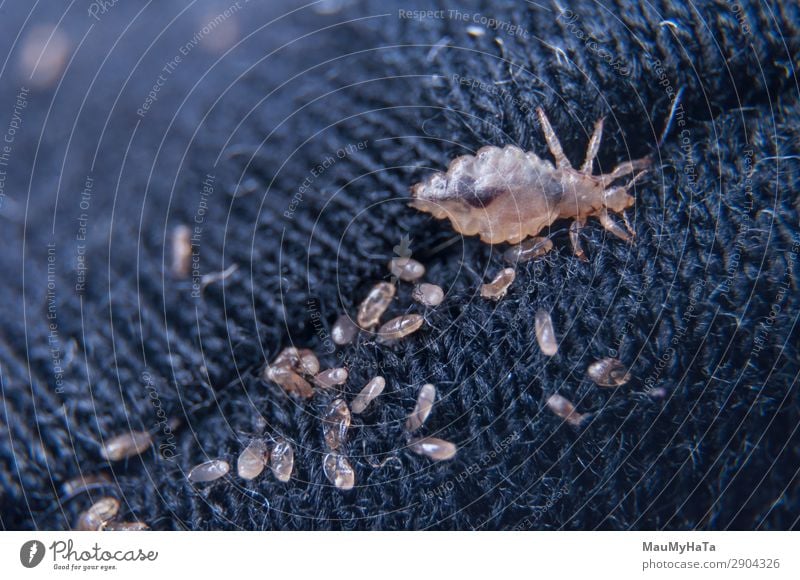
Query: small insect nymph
x,y
506,194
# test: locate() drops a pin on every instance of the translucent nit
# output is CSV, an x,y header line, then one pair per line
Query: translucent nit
x,y
545,335
608,372
498,287
208,471
368,394
126,445
407,269
563,408
374,305
400,327
84,483
98,514
436,449
344,330
422,409
428,294
335,423
529,249
252,459
331,378
282,460
339,471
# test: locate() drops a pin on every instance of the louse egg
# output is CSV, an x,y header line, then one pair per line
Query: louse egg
x,y
335,423
344,330
407,269
564,409
545,335
282,460
375,304
498,287
208,471
608,372
368,394
400,327
309,364
331,378
425,398
84,483
428,294
436,449
98,514
252,459
126,445
339,471
181,251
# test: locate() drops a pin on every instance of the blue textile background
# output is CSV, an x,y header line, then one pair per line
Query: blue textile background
x,y
293,153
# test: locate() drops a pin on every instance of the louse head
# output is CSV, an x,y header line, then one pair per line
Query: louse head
x,y
617,199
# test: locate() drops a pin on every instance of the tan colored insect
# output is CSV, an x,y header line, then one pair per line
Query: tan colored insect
x,y
506,194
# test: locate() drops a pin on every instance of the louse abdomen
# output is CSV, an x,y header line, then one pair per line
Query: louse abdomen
x,y
468,191
480,184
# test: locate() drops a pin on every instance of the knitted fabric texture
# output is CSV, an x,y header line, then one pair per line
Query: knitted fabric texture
x,y
293,154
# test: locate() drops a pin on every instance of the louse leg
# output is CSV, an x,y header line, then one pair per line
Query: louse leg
x,y
628,224
552,141
624,169
610,225
634,179
575,238
593,147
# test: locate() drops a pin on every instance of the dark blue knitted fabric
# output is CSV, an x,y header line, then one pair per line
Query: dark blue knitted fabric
x,y
292,143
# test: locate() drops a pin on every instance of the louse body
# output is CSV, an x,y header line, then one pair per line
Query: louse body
x,y
505,194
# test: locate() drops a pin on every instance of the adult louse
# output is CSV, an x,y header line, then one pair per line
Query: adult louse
x,y
505,194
